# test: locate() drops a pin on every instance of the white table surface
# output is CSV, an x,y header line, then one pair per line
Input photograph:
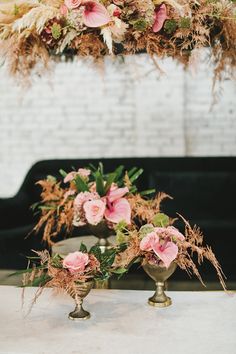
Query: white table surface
x,y
121,323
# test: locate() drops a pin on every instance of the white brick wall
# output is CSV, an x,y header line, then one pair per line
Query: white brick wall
x,y
128,110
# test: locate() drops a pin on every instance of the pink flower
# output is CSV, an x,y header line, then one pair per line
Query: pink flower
x,y
116,193
148,241
94,211
160,17
83,197
118,211
63,10
167,252
76,262
95,14
84,172
69,177
72,4
168,232
175,233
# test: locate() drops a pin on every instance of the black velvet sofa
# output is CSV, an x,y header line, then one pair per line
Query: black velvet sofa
x,y
203,188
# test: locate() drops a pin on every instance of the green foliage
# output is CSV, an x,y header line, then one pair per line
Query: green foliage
x,y
121,232
81,185
51,179
111,178
99,183
146,229
56,30
161,220
184,22
147,192
170,26
140,24
62,173
83,248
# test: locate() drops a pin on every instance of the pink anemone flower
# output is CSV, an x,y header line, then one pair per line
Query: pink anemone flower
x,y
167,251
95,14
118,211
118,208
160,17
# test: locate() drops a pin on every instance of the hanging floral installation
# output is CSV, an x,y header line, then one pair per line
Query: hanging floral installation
x,y
34,31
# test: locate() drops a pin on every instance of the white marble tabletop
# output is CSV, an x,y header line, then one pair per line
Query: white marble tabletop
x,y
121,323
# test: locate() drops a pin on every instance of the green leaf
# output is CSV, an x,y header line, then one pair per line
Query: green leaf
x,y
185,22
120,271
96,251
136,175
146,229
161,220
83,248
100,168
170,26
56,30
63,173
119,172
110,180
148,191
99,183
139,24
81,185
41,280
132,171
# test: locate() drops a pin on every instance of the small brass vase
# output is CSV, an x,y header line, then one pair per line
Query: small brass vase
x,y
82,290
102,232
159,275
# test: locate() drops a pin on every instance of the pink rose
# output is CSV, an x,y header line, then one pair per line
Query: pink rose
x,y
72,4
83,197
76,262
94,211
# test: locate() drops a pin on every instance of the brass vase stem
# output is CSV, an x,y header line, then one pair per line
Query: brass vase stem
x,y
82,291
159,275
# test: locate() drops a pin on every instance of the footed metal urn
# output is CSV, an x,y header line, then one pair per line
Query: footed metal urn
x,y
159,275
82,290
102,232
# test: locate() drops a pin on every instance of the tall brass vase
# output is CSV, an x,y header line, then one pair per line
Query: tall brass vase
x,y
102,232
82,290
159,275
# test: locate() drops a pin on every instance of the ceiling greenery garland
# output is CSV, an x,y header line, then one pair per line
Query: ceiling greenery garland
x,y
33,32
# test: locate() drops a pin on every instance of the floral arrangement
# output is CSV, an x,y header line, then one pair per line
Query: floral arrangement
x,y
160,243
86,196
33,31
65,273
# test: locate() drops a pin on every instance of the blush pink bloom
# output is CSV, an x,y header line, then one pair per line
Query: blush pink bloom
x,y
148,241
169,231
95,14
72,4
160,17
69,177
76,262
167,252
119,211
83,197
64,10
84,172
94,211
116,193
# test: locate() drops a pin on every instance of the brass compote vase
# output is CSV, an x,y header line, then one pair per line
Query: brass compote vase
x,y
102,232
159,275
82,290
